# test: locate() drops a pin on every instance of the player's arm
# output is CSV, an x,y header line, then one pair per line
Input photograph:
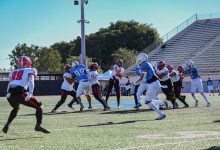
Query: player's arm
x,y
144,71
30,86
172,74
69,80
162,74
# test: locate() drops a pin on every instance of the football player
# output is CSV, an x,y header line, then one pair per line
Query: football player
x,y
177,84
92,75
153,85
79,73
22,79
196,82
116,75
66,88
167,87
210,86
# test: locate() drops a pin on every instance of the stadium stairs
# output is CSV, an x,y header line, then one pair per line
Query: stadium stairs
x,y
199,42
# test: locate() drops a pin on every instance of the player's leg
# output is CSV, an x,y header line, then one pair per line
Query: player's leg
x,y
34,103
15,105
140,90
193,91
177,91
109,90
201,91
97,95
117,90
152,90
73,94
64,94
79,92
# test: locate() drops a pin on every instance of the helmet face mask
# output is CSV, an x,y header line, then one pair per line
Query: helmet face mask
x,y
24,61
190,64
161,64
75,64
141,58
180,69
119,62
170,68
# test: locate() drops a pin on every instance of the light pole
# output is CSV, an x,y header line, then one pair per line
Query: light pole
x,y
83,59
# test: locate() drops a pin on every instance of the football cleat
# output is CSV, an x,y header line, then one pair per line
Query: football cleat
x,y
5,129
209,105
70,106
161,117
41,129
137,106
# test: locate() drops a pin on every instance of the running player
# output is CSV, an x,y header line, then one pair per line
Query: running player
x,y
22,79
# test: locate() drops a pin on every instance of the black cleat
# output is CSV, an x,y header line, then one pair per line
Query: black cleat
x,y
5,129
81,108
137,106
41,129
70,106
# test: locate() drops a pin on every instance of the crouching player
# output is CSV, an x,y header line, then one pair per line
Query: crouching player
x,y
92,75
153,85
22,79
66,88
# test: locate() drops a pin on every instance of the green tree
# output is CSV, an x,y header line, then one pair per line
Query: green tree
x,y
49,61
33,52
128,56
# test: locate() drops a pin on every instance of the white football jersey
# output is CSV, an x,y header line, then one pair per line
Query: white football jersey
x,y
117,69
164,70
65,85
92,75
20,76
176,77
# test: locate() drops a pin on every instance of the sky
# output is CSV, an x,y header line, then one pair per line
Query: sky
x,y
45,22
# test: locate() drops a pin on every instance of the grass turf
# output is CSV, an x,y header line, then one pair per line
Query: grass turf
x,y
124,128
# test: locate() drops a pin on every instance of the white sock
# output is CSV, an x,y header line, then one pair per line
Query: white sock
x,y
158,102
155,108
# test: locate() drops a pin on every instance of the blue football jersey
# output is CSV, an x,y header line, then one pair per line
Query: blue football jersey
x,y
138,70
150,70
193,72
79,72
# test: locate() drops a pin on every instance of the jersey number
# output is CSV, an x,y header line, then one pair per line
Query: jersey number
x,y
17,75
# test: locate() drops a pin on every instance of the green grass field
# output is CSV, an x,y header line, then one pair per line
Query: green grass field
x,y
190,128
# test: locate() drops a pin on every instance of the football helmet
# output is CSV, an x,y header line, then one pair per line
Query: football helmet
x,y
170,68
75,64
67,66
190,63
119,62
142,57
161,64
94,66
180,69
24,61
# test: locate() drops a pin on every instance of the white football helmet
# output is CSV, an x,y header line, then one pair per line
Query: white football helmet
x,y
142,57
75,64
190,63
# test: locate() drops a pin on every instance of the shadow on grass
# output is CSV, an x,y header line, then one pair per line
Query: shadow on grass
x,y
216,121
126,111
213,148
24,138
112,123
62,112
